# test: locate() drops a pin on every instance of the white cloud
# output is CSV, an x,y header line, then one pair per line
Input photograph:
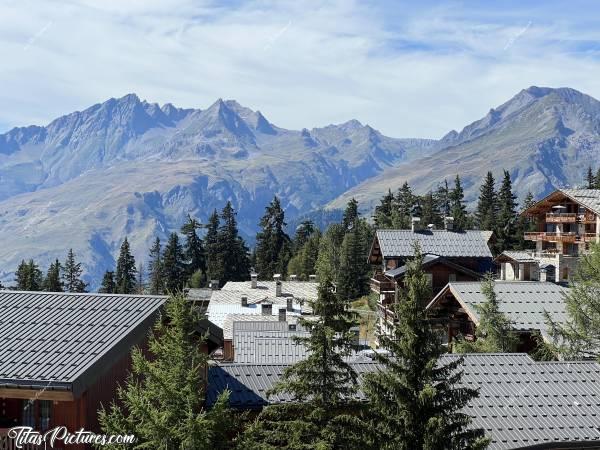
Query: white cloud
x,y
303,64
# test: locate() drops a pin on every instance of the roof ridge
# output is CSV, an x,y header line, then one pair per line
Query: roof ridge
x,y
82,294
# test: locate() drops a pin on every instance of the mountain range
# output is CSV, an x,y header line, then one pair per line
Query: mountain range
x,y
127,167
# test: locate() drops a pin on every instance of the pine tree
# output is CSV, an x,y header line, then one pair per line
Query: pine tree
x,y
404,207
442,199
458,210
495,333
329,258
125,277
350,214
193,248
273,245
506,225
214,263
321,386
487,207
383,211
140,285
162,402
234,254
579,336
591,181
303,233
72,271
156,279
28,276
353,278
52,282
173,265
108,283
430,213
416,402
597,179
304,262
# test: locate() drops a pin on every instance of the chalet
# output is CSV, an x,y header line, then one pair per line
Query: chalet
x,y
449,255
522,404
62,355
566,221
525,303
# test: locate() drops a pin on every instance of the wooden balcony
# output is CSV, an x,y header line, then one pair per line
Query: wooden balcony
x,y
587,237
551,237
381,284
561,218
9,444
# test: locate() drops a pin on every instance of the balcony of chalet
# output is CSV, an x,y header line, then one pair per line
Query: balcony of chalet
x,y
555,217
7,443
566,237
381,284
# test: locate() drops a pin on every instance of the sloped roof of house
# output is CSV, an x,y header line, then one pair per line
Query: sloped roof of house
x,y
521,403
263,343
400,243
429,260
218,313
520,257
589,198
61,341
523,302
298,289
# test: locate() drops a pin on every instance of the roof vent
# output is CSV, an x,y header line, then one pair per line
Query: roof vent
x,y
214,285
253,280
266,309
277,278
244,300
449,223
415,224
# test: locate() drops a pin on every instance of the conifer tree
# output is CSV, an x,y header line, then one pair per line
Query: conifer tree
x,y
591,181
108,283
383,211
442,199
495,333
458,210
193,248
125,279
597,179
321,386
404,207
303,233
162,402
487,207
28,276
173,265
350,214
304,262
140,285
273,245
430,213
416,402
507,221
353,278
156,279
233,253
214,264
72,271
329,258
52,282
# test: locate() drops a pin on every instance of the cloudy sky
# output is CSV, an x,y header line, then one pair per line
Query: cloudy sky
x,y
407,70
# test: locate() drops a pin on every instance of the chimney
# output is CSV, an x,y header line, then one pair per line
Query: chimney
x,y
290,304
214,285
415,224
277,278
244,300
253,280
312,278
282,314
266,309
449,223
293,277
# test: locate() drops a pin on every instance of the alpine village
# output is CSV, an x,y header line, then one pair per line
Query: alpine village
x,y
422,325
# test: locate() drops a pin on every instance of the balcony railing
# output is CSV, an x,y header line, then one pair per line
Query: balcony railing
x,y
9,444
552,237
380,283
561,217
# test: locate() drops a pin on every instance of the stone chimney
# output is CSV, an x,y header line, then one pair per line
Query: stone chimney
x,y
415,224
214,285
293,277
312,278
244,300
277,278
290,304
253,280
449,223
266,309
282,315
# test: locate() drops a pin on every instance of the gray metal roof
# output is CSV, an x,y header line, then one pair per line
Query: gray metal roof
x,y
523,302
470,243
267,346
219,314
62,341
522,403
589,198
307,290
521,257
394,273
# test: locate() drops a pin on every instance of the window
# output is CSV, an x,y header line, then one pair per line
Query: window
x,y
29,413
45,413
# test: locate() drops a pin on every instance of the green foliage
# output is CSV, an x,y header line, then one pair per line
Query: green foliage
x,y
353,276
350,214
28,276
322,385
579,336
304,231
125,277
495,333
304,262
430,212
329,259
403,208
487,207
162,402
458,210
71,274
416,402
196,280
52,282
173,264
383,211
193,248
156,275
233,254
591,180
108,283
506,228
273,245
214,265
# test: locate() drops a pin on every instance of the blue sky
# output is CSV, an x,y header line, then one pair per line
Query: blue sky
x,y
409,69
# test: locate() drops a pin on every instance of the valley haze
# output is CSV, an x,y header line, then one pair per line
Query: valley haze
x,y
131,168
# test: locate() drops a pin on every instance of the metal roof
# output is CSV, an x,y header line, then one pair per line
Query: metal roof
x,y
218,313
589,198
522,403
522,257
523,302
470,243
298,289
267,322
398,271
267,346
257,297
63,341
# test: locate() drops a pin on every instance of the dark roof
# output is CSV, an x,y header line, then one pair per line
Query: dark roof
x,y
400,271
64,341
470,243
429,260
522,403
